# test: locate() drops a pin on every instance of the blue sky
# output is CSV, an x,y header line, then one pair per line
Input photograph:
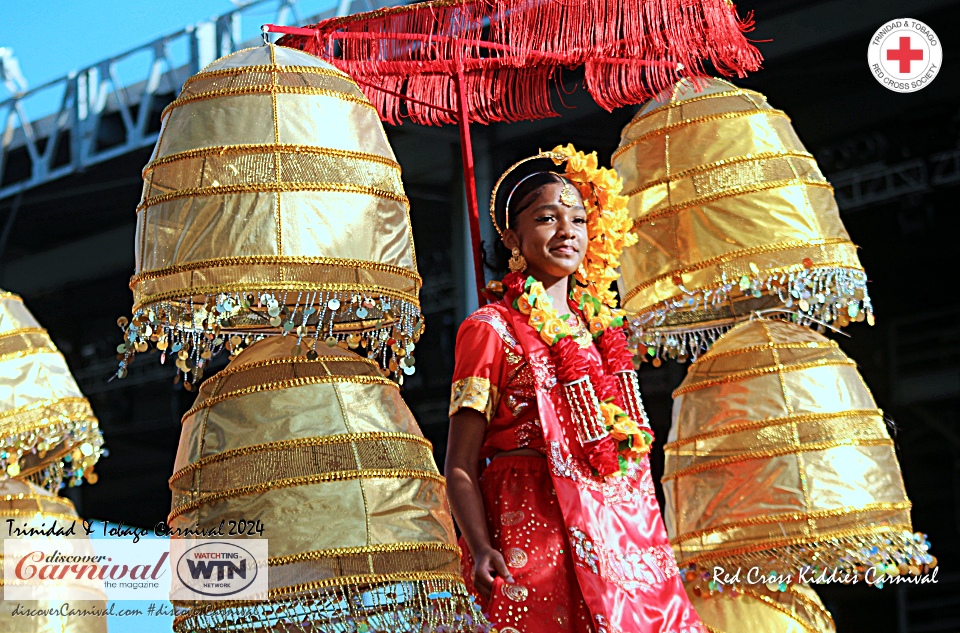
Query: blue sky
x,y
51,39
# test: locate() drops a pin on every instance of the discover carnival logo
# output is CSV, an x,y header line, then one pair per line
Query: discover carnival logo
x,y
151,569
904,55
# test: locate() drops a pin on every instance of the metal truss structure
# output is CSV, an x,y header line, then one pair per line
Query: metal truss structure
x,y
97,116
878,183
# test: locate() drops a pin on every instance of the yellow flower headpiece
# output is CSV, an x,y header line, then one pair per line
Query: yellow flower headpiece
x,y
608,221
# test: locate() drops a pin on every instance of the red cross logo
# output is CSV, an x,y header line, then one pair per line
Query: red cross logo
x,y
905,54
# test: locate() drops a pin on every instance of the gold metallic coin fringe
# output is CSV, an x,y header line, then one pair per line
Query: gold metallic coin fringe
x,y
435,603
194,329
839,558
657,334
36,438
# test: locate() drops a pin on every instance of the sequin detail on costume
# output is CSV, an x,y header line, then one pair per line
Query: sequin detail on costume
x,y
628,488
512,518
544,372
516,557
584,550
517,593
640,569
528,431
497,322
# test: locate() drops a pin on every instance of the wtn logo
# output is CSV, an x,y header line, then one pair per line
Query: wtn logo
x,y
221,569
224,568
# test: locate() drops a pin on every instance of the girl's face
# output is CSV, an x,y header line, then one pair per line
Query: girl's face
x,y
551,236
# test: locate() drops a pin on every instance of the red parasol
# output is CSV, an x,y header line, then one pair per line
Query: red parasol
x,y
484,61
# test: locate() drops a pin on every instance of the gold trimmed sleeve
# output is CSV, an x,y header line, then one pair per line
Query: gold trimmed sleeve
x,y
474,393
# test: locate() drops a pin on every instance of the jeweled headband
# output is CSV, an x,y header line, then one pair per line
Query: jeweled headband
x,y
557,157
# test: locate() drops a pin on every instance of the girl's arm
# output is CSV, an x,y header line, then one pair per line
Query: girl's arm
x,y
467,428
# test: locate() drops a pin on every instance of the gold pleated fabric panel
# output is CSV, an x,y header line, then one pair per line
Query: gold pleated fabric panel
x,y
778,457
327,456
229,180
759,610
29,506
48,432
273,203
733,216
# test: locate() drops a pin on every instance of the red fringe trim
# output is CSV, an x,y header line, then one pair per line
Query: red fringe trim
x,y
509,52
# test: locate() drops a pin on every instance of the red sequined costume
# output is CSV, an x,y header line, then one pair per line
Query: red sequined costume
x,y
592,559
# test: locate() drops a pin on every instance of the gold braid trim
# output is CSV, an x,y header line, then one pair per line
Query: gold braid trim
x,y
79,401
38,415
784,610
771,112
699,169
29,352
23,340
307,480
639,116
307,286
345,438
795,516
789,450
263,148
762,424
221,262
272,187
22,330
31,496
379,548
269,68
287,384
801,597
710,355
266,90
4,294
715,556
746,252
760,371
60,516
729,193
288,360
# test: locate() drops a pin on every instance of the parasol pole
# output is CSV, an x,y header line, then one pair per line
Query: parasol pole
x,y
470,184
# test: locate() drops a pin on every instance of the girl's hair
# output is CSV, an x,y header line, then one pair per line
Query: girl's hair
x,y
520,187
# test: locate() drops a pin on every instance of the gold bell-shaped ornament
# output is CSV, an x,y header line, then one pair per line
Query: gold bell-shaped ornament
x,y
48,433
272,204
329,459
778,459
28,507
733,216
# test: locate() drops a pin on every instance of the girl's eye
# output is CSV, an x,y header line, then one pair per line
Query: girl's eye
x,y
580,220
544,218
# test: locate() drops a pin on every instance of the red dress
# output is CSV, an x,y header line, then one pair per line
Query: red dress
x,y
572,572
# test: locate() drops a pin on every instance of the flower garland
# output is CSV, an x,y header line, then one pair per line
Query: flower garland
x,y
609,227
615,439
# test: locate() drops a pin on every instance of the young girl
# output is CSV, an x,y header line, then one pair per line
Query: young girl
x,y
562,530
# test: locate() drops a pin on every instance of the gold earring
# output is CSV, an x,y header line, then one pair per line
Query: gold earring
x,y
518,262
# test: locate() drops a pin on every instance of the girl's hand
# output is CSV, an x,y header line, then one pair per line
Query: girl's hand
x,y
488,564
